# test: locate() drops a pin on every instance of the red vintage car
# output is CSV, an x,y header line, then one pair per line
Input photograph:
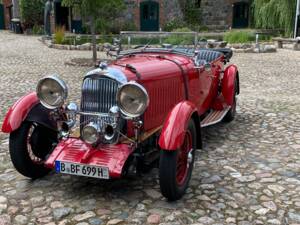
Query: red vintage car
x,y
146,108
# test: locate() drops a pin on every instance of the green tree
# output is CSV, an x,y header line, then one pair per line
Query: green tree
x,y
95,9
32,12
275,14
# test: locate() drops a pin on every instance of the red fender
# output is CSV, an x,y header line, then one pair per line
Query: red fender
x,y
172,135
229,78
18,112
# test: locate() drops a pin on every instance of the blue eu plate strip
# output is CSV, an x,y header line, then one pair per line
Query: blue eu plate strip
x,y
57,166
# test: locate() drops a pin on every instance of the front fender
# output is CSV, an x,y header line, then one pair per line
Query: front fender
x,y
228,83
172,135
18,112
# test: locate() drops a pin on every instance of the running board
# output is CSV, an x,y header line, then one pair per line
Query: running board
x,y
214,117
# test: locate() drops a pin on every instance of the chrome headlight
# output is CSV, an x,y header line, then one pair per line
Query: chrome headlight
x,y
90,133
52,92
132,99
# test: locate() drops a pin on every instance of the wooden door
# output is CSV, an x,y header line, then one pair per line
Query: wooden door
x,y
149,17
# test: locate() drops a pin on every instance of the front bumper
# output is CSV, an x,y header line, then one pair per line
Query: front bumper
x,y
75,150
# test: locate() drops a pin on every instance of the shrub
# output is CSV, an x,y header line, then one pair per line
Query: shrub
x,y
59,35
199,28
102,26
32,12
85,29
174,24
37,30
114,27
121,25
180,39
192,15
239,36
129,26
183,29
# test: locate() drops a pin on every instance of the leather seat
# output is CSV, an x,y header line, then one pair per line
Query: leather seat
x,y
208,55
185,50
204,56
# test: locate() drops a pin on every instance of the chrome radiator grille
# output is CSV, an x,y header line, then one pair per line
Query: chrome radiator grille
x,y
98,95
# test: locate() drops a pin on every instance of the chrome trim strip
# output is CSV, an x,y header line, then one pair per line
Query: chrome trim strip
x,y
110,72
98,96
94,114
218,115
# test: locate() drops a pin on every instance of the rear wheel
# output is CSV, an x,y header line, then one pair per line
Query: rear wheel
x,y
175,167
28,146
231,113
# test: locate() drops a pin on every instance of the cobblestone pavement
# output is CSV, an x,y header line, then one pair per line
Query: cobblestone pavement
x,y
247,173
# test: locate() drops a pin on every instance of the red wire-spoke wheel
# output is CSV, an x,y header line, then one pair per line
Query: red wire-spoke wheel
x,y
29,146
175,167
31,155
183,158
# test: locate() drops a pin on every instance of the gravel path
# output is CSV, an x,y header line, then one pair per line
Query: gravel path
x,y
248,172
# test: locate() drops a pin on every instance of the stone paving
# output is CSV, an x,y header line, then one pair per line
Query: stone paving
x,y
248,172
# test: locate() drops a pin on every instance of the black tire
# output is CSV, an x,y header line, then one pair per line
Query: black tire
x,y
169,186
232,112
41,142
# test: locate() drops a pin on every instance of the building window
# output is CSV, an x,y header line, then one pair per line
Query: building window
x,y
198,3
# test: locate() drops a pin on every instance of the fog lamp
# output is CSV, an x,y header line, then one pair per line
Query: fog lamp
x,y
90,133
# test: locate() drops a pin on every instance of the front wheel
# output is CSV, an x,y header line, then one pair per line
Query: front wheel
x,y
175,167
28,147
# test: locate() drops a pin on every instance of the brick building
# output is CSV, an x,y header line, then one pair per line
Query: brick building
x,y
146,15
5,13
152,15
215,14
224,14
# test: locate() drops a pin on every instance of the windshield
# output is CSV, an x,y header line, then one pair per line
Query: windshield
x,y
132,40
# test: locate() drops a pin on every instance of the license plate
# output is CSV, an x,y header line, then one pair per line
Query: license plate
x,y
81,170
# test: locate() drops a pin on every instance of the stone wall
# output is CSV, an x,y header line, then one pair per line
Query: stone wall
x,y
6,3
168,10
215,14
172,10
131,13
218,14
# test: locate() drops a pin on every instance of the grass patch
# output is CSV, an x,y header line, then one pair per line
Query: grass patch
x,y
59,35
239,36
180,39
